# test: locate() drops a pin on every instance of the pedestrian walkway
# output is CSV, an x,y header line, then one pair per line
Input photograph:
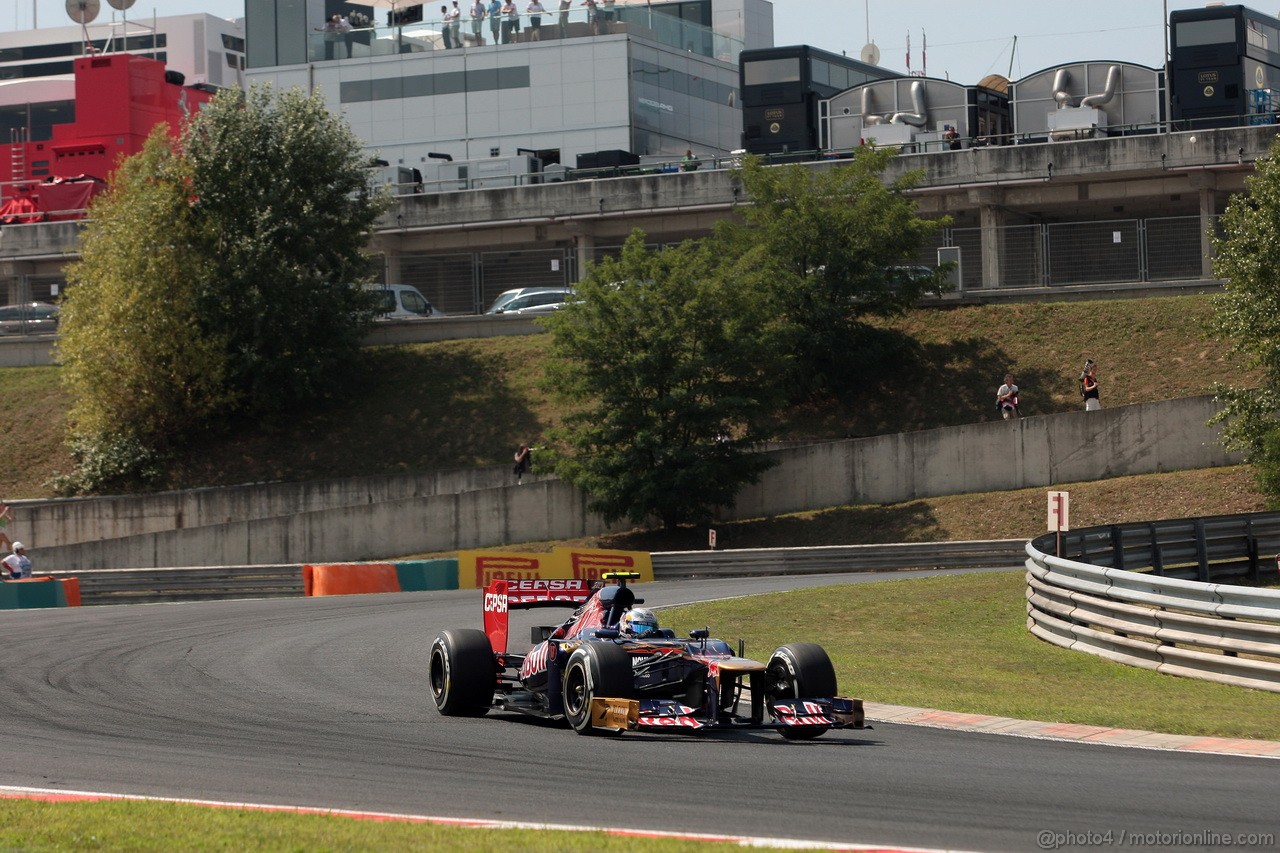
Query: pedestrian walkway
x,y
1069,731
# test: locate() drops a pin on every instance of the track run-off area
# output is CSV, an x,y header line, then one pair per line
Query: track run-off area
x,y
323,703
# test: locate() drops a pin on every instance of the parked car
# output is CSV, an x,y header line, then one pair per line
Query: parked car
x,y
542,301
29,318
402,302
505,297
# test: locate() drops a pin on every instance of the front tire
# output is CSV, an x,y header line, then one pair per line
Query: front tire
x,y
595,670
801,671
462,673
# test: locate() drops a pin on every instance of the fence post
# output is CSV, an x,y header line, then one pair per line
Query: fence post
x,y
1202,552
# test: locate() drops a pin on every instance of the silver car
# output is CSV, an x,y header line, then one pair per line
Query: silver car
x,y
541,301
29,318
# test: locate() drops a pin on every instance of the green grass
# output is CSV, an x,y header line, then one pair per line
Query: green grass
x,y
36,827
464,403
961,643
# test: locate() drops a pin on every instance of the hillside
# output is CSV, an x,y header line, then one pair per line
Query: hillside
x,y
465,403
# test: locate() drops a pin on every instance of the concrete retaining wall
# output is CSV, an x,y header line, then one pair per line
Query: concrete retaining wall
x,y
1170,435
71,520
547,509
374,518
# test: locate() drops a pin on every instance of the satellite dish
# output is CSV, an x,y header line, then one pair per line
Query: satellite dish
x,y
83,11
120,4
870,53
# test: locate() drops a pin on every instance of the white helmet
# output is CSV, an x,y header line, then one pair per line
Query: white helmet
x,y
18,546
638,622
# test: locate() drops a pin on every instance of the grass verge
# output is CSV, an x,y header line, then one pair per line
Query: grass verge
x,y
961,643
135,827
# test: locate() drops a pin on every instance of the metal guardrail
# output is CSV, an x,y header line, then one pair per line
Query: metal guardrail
x,y
749,562
203,583
211,583
1178,626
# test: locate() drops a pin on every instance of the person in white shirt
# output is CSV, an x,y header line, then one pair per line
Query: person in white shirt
x,y
17,564
477,19
455,24
1007,398
535,10
446,34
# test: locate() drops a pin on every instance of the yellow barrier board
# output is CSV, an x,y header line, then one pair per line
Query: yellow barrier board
x,y
477,569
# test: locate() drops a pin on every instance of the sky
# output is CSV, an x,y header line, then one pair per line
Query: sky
x,y
967,39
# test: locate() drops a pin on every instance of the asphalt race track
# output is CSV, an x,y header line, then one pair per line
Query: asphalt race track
x,y
323,702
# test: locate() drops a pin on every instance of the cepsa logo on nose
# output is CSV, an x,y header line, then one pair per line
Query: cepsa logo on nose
x,y
495,602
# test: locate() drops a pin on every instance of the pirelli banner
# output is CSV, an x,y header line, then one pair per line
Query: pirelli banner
x,y
477,569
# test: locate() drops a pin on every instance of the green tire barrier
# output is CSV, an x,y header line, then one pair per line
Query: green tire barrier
x,y
423,575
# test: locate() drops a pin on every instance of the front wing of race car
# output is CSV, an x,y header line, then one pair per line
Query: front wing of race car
x,y
669,714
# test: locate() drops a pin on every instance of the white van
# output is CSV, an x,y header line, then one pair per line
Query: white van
x,y
402,302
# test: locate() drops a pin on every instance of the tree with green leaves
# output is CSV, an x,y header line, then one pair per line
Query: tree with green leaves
x,y
1247,312
668,367
283,214
136,359
837,244
218,277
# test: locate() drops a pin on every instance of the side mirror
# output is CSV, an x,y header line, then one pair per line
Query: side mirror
x,y
608,633
699,633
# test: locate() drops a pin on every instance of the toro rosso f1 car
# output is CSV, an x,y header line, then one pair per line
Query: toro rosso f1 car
x,y
588,672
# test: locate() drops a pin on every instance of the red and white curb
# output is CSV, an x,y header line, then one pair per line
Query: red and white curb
x,y
55,795
1072,732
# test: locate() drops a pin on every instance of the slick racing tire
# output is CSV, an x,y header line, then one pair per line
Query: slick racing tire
x,y
594,669
801,671
462,673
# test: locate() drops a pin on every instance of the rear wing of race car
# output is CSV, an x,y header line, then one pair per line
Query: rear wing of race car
x,y
502,596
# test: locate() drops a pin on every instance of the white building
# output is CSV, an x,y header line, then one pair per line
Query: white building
x,y
650,81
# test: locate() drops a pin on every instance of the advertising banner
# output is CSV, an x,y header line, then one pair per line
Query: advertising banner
x,y
478,569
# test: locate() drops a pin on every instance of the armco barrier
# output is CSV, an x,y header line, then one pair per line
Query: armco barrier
x,y
1212,631
126,586
747,562
204,583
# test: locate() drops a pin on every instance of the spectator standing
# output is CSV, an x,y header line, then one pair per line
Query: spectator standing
x,y
565,5
6,515
951,138
606,12
495,19
335,32
690,163
1007,398
455,24
1089,386
524,462
445,34
535,10
510,21
593,15
477,20
17,563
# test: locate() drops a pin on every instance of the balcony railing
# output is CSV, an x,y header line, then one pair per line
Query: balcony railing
x,y
551,25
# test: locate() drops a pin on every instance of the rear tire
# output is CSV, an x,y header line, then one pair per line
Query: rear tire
x,y
595,670
462,671
801,671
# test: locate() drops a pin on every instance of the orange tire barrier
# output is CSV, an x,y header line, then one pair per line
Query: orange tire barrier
x,y
349,578
71,591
